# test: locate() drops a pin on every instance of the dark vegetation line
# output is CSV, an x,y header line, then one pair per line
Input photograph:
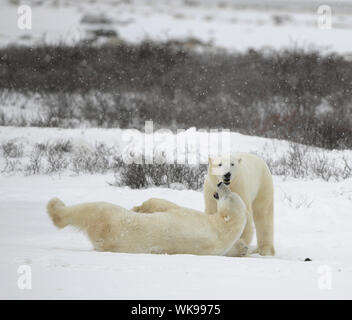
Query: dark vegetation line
x,y
58,156
292,94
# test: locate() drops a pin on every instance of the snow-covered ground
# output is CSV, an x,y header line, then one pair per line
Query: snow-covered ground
x,y
312,217
235,25
313,220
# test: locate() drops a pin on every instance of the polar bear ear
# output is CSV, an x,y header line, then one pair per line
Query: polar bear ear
x,y
239,160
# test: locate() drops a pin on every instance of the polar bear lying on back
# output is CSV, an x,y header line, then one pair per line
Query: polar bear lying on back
x,y
177,231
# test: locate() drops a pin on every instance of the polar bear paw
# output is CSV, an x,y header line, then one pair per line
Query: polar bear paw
x,y
241,248
265,251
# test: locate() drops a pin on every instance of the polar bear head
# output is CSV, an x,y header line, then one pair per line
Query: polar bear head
x,y
225,168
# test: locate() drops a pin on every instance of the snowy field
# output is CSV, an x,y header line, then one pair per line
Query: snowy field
x,y
312,217
234,25
313,220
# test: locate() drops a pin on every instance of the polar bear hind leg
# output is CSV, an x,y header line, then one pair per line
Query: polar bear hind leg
x,y
55,209
155,205
210,203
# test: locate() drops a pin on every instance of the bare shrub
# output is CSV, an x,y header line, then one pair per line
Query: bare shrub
x,y
95,18
95,160
56,156
35,165
297,160
11,149
301,161
3,121
347,169
97,108
144,175
175,86
133,176
12,152
60,108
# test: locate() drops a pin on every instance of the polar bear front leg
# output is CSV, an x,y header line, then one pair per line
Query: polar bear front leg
x,y
264,224
210,203
248,232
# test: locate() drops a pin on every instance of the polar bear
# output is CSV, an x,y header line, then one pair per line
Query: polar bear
x,y
248,176
176,231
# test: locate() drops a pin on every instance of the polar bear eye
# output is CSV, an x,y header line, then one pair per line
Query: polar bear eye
x,y
220,164
232,164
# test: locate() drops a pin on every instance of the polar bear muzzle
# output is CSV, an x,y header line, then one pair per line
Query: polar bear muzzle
x,y
227,178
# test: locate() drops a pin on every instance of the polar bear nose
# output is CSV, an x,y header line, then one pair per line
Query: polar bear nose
x,y
227,175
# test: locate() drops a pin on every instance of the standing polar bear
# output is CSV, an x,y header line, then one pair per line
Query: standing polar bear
x,y
176,230
250,177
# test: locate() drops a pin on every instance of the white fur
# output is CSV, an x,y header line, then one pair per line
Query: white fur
x,y
252,181
173,229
